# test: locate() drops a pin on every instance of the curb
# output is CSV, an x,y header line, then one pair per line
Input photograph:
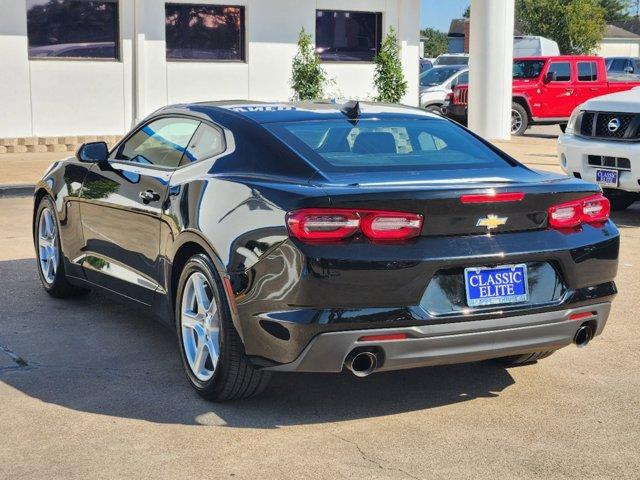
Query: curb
x,y
16,190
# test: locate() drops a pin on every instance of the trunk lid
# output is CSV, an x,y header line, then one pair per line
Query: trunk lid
x,y
438,198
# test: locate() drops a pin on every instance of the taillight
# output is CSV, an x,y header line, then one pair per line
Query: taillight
x,y
593,209
325,224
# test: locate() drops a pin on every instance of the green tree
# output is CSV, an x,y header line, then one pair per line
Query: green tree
x,y
467,12
389,78
577,25
615,10
307,75
435,42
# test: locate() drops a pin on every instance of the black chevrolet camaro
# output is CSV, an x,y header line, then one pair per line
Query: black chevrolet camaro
x,y
312,236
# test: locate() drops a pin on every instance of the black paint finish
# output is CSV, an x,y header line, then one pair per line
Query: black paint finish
x,y
128,227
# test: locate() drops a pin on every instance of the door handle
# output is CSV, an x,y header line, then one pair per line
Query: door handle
x,y
148,196
569,91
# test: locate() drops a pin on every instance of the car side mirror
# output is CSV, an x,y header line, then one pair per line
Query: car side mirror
x,y
93,152
628,69
550,77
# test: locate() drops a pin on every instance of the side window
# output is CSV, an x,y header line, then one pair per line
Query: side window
x,y
587,72
161,142
562,71
205,143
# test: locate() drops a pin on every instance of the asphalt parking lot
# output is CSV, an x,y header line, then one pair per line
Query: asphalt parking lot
x,y
90,388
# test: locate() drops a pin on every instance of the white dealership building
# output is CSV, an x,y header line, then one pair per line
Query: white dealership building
x,y
71,70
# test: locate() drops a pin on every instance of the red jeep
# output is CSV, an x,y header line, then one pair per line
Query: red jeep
x,y
547,89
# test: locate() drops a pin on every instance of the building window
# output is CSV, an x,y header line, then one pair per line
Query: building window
x,y
204,32
348,36
72,28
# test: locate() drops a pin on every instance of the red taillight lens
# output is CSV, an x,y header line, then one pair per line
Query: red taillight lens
x,y
323,224
391,225
593,209
318,224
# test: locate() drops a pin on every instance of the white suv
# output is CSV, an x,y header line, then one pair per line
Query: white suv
x,y
601,144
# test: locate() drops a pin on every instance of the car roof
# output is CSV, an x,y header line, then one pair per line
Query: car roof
x,y
270,112
560,57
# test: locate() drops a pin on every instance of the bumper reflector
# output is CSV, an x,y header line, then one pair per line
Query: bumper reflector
x,y
383,338
580,316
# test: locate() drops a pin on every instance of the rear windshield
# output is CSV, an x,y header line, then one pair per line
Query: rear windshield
x,y
387,145
437,76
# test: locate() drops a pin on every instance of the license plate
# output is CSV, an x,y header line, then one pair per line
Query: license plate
x,y
495,286
607,178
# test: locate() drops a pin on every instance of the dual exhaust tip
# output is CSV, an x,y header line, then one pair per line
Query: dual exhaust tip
x,y
584,335
362,363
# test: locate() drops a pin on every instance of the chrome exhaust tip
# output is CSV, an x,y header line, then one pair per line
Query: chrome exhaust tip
x,y
362,364
583,336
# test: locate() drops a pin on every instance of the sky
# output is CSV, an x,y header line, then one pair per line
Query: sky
x,y
438,13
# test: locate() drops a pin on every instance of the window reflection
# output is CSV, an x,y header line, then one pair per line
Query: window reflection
x,y
348,36
204,32
73,28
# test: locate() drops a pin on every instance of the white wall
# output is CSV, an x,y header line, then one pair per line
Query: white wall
x,y
50,97
619,47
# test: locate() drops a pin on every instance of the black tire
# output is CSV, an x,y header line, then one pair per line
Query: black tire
x,y
563,127
619,199
437,109
59,286
516,360
521,112
234,377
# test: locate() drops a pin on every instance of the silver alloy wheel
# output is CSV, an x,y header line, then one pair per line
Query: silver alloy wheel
x,y
516,121
200,325
48,245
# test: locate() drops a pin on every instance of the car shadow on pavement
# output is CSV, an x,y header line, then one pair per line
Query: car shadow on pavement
x,y
96,355
629,218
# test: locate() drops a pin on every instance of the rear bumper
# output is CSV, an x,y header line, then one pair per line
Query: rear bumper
x,y
450,342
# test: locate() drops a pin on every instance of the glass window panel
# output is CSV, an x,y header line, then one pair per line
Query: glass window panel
x,y
204,32
161,142
562,71
206,143
348,36
587,72
72,28
387,145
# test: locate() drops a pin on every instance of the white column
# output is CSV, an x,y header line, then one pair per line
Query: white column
x,y
408,32
490,68
15,95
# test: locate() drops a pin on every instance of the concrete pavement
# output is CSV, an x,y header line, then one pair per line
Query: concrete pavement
x,y
91,388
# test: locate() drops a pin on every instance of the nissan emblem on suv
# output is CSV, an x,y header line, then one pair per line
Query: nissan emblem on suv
x,y
613,125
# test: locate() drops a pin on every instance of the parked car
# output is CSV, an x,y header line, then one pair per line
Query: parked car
x,y
623,65
600,145
534,46
547,89
310,237
425,65
452,59
436,83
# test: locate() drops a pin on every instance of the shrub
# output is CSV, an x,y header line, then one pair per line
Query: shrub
x,y
389,78
307,76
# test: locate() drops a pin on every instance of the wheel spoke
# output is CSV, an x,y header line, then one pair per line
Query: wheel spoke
x,y
212,346
201,356
201,295
190,319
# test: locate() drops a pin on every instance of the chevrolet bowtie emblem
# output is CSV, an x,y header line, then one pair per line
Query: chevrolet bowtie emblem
x,y
491,221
